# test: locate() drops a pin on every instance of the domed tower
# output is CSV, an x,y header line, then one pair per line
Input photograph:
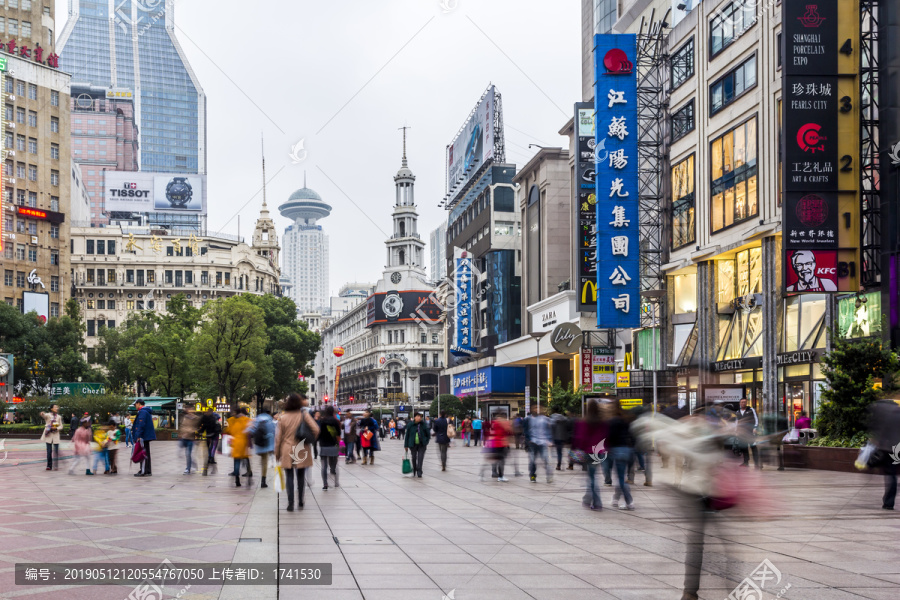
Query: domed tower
x,y
405,248
305,252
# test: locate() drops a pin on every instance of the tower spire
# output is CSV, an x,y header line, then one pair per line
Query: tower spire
x,y
404,128
304,177
262,142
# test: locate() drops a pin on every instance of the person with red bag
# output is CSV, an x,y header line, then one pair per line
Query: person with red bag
x,y
143,433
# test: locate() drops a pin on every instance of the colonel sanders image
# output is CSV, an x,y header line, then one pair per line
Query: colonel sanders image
x,y
804,265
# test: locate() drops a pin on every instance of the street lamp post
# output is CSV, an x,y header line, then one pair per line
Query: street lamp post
x,y
537,335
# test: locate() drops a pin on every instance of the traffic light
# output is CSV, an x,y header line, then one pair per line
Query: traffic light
x,y
351,397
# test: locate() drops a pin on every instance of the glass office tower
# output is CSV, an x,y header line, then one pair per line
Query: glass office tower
x,y
131,45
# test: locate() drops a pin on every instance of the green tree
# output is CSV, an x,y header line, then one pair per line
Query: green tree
x,y
166,350
125,365
229,348
560,398
290,348
851,369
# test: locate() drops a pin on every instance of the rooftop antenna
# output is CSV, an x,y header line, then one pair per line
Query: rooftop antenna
x,y
262,142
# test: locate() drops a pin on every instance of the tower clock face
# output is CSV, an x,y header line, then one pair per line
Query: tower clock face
x,y
395,277
393,305
4,367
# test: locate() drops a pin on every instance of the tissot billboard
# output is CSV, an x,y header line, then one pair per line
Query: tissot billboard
x,y
401,307
618,222
154,192
474,145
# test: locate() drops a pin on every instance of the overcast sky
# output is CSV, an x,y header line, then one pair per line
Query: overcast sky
x,y
343,76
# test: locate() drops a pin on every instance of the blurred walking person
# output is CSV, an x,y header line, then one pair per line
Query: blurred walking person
x,y
440,436
416,441
368,431
240,451
587,443
476,430
537,433
293,455
350,436
187,432
53,425
500,432
209,427
82,441
885,435
562,435
465,429
73,425
113,435
262,432
317,417
329,435
393,426
746,425
142,431
619,444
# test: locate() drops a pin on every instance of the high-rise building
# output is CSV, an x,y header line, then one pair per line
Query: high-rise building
x,y
437,247
104,138
306,249
34,249
132,46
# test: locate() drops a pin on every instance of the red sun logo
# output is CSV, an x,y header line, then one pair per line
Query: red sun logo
x,y
616,62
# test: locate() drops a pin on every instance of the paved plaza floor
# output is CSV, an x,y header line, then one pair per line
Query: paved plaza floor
x,y
445,535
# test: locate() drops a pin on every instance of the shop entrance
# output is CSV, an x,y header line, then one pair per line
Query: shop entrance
x,y
797,397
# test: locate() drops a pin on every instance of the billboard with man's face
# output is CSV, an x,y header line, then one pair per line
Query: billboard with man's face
x,y
474,145
811,271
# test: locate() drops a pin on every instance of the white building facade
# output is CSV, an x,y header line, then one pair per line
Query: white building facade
x,y
305,255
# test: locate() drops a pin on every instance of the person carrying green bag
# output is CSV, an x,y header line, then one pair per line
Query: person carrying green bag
x,y
416,441
407,466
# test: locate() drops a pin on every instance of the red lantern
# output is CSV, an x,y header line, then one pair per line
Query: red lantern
x,y
339,351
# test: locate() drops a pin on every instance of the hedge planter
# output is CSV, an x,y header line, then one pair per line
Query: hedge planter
x,y
822,458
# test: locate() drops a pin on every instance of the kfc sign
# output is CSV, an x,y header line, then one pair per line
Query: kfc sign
x,y
811,271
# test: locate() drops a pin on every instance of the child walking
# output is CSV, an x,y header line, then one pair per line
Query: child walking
x,y
82,440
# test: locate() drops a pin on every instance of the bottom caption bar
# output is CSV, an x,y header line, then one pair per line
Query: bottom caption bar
x,y
167,573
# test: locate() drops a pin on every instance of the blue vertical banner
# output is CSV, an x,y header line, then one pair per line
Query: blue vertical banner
x,y
464,281
616,155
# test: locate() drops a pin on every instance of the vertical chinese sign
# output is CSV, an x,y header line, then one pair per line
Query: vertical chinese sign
x,y
464,333
2,135
337,380
604,369
618,268
820,145
586,210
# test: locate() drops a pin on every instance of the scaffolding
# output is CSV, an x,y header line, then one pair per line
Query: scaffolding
x,y
869,145
651,76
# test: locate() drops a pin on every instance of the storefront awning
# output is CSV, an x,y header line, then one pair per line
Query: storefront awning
x,y
158,403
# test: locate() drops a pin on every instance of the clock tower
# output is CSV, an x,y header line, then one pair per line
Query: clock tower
x,y
405,268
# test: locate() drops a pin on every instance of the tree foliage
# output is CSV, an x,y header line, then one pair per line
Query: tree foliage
x,y
455,407
851,369
229,349
560,398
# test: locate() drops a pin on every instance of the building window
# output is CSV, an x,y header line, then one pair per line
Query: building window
x,y
89,246
101,304
424,359
54,309
683,121
8,252
54,98
54,151
8,278
20,143
8,144
683,64
151,276
54,232
20,88
20,279
26,26
32,91
390,337
111,305
204,278
20,116
111,247
54,203
111,276
13,27
605,15
32,228
91,324
733,85
32,118
423,338
32,146
32,173
227,278
54,177
54,124
189,277
32,254
734,176
54,258
20,251
54,283
129,275
90,276
101,246
730,22
168,277
140,305
32,199
129,304
218,277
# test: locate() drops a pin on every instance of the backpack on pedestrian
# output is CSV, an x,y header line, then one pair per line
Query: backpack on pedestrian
x,y
261,435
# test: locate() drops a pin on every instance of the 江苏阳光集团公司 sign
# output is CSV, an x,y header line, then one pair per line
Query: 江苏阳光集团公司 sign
x,y
616,154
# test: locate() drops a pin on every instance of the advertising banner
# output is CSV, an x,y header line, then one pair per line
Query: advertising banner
x,y
37,302
618,223
474,145
811,219
464,332
586,209
394,307
77,389
860,317
603,369
811,134
586,369
154,192
465,384
810,37
337,380
811,270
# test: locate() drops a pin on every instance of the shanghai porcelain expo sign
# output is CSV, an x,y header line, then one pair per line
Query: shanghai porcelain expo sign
x,y
617,219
